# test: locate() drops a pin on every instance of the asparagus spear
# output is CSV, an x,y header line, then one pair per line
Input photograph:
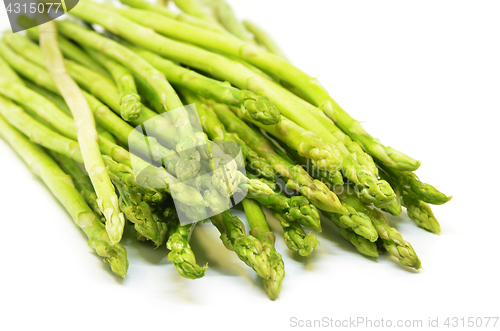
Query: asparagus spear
x,y
296,238
86,132
195,8
362,245
264,39
130,101
163,10
391,239
280,67
254,107
315,191
248,248
61,186
421,213
7,72
260,230
217,132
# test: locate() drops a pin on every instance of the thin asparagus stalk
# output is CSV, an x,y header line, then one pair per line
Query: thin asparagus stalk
x,y
260,230
264,39
280,67
181,254
61,186
189,19
217,132
254,107
130,101
297,178
69,50
362,245
248,248
225,16
195,8
391,239
80,179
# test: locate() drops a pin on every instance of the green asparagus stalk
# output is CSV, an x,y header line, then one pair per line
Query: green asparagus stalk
x,y
297,178
296,238
86,132
421,213
391,239
225,16
181,254
217,132
357,221
277,66
195,8
264,39
7,72
61,186
130,101
248,248
163,10
69,50
61,104
254,107
260,230
294,209
80,179
362,245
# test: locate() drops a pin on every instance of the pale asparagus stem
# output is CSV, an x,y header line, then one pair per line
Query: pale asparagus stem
x,y
86,132
271,63
189,164
254,107
62,187
260,230
130,101
264,39
297,178
186,18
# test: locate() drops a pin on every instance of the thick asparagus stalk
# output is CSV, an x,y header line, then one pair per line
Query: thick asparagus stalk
x,y
225,16
7,72
421,213
281,68
260,230
130,101
297,178
61,186
195,8
362,245
254,107
248,248
264,39
86,132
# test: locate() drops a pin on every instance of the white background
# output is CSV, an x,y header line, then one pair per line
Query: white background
x,y
423,76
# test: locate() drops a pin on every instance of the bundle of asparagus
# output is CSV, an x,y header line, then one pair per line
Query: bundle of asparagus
x,y
70,98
